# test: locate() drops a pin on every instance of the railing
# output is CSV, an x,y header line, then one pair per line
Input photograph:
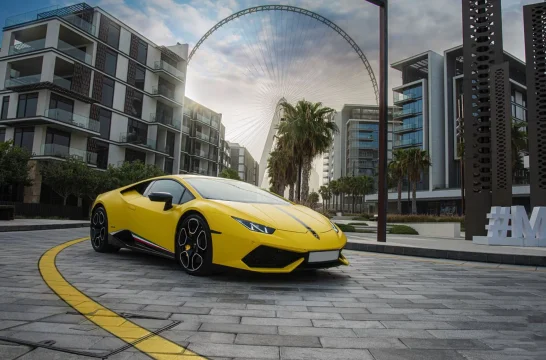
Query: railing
x,y
49,12
398,97
22,48
363,137
73,51
80,23
132,138
162,90
162,119
406,142
405,112
199,170
62,82
73,119
65,152
23,80
215,124
162,65
185,129
406,127
201,136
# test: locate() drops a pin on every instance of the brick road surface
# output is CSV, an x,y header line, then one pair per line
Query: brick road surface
x,y
380,307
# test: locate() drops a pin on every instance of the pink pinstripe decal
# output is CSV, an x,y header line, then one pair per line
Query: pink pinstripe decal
x,y
144,241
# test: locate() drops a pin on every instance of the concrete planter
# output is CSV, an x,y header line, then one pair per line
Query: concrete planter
x,y
437,229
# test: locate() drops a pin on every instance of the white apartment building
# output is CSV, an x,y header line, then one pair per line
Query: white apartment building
x,y
77,82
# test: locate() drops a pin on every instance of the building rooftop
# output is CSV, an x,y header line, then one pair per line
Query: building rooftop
x,y
418,62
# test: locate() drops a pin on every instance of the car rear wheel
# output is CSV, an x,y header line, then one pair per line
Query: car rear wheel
x,y
99,232
194,246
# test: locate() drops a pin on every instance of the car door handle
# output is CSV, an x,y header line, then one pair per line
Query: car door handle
x,y
132,207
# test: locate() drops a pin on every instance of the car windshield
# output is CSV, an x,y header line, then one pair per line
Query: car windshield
x,y
233,190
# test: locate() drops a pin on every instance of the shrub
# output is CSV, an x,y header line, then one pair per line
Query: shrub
x,y
364,217
358,224
403,230
393,218
346,228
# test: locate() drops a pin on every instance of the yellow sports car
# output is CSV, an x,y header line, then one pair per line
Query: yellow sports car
x,y
204,222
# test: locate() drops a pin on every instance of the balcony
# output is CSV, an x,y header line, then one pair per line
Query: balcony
x,y
201,171
406,143
202,136
22,80
65,152
165,95
162,66
68,13
173,122
62,82
74,52
405,113
137,140
185,129
25,47
400,98
73,119
406,128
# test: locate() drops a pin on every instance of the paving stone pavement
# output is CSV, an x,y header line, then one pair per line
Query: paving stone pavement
x,y
379,308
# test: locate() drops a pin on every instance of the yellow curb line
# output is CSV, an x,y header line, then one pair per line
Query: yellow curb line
x,y
154,346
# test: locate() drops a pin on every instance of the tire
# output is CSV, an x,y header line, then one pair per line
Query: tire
x,y
99,232
194,246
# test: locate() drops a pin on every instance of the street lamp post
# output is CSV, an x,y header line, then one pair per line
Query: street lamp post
x,y
383,121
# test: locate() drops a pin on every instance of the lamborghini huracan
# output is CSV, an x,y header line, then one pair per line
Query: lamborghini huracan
x,y
207,222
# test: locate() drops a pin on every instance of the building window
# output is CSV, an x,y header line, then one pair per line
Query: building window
x,y
140,75
168,166
105,119
142,52
107,92
111,62
137,129
27,105
101,149
135,105
5,106
2,135
112,38
64,104
24,137
132,155
58,137
170,143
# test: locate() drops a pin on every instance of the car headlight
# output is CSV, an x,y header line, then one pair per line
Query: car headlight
x,y
252,226
334,227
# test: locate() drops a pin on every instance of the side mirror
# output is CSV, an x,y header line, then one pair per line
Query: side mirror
x,y
162,197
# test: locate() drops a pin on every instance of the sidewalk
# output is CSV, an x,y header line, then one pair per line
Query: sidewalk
x,y
456,249
40,224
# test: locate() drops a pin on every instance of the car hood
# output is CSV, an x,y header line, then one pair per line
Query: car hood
x,y
295,218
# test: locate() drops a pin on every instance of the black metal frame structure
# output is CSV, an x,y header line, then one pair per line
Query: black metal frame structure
x,y
482,49
301,11
534,19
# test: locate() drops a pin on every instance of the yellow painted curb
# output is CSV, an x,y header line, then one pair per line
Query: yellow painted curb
x,y
154,346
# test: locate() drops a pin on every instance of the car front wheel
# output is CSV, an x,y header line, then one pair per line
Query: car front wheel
x,y
194,245
99,232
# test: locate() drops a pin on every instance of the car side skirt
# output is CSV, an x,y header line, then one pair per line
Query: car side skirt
x,y
132,241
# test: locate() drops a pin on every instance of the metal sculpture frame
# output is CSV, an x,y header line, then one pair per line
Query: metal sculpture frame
x,y
501,127
534,17
482,49
301,11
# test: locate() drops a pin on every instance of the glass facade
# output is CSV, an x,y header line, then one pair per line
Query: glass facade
x,y
410,132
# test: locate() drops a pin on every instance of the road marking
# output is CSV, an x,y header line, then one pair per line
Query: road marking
x,y
154,345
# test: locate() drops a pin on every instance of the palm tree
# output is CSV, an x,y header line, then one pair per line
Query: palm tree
x,y
325,194
365,185
334,189
397,173
415,162
308,132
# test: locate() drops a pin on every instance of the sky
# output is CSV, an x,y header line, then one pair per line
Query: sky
x,y
247,66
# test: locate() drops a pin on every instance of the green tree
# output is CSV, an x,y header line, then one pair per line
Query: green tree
x,y
313,199
325,194
65,177
280,166
518,143
397,173
306,132
415,162
14,166
365,186
230,173
132,172
334,189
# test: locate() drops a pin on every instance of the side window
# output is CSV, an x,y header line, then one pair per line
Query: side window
x,y
187,197
168,186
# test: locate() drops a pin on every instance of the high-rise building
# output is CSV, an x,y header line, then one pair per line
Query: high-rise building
x,y
225,151
431,98
77,82
355,150
201,139
244,163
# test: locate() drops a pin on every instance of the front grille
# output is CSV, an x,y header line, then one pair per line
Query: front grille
x,y
269,257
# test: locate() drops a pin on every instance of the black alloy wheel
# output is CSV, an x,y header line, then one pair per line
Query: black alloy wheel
x,y
99,232
194,245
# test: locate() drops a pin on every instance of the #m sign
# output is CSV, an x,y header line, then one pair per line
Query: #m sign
x,y
523,231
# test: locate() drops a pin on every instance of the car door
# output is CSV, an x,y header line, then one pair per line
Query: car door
x,y
152,225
